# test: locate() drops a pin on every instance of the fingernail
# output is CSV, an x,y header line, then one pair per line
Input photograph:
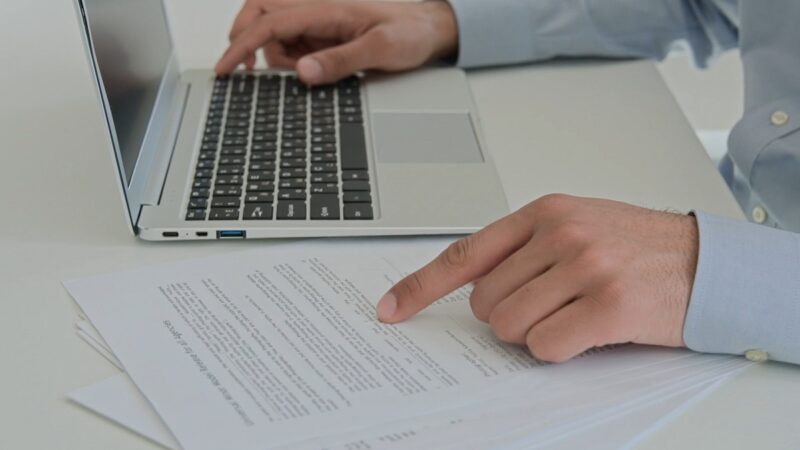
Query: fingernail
x,y
387,306
310,69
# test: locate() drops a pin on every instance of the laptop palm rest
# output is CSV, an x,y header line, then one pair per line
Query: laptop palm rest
x,y
425,138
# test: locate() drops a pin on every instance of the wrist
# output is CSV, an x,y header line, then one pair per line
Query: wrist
x,y
445,28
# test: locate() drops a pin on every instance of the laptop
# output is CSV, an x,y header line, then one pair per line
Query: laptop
x,y
260,155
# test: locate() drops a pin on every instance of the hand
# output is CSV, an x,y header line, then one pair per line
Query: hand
x,y
329,40
565,274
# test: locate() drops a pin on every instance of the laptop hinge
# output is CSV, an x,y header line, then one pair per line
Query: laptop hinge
x,y
151,194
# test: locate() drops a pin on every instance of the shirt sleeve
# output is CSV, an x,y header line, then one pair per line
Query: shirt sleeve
x,y
494,32
746,293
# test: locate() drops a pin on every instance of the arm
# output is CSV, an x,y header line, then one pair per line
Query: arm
x,y
515,31
746,293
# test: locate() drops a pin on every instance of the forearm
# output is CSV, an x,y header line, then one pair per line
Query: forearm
x,y
514,31
746,293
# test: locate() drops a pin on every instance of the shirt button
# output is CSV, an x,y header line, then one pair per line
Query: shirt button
x,y
756,355
779,118
759,215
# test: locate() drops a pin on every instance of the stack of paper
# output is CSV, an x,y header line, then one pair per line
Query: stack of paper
x,y
280,348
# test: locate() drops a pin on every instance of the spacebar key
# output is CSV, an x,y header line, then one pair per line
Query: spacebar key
x,y
354,146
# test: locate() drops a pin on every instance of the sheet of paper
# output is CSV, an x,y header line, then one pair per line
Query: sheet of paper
x,y
118,400
254,350
260,349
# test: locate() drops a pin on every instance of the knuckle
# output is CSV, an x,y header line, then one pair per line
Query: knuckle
x,y
552,203
595,259
412,285
542,348
501,324
571,234
477,299
458,254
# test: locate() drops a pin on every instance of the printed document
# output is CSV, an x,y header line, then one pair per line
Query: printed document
x,y
257,349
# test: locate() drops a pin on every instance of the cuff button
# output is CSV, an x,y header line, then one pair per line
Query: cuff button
x,y
779,118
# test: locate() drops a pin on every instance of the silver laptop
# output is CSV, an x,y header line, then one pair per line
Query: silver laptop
x,y
260,155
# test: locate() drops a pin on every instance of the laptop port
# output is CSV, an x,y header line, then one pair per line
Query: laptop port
x,y
201,233
170,234
231,234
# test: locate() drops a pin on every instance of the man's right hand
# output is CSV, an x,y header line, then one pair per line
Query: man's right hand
x,y
327,40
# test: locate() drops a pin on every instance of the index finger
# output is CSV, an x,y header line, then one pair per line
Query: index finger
x,y
281,25
463,261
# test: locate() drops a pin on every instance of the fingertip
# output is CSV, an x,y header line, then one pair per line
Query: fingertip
x,y
310,70
387,308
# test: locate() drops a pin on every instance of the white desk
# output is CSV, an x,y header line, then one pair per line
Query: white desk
x,y
594,128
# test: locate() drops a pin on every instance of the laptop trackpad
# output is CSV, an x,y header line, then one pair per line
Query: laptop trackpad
x,y
425,137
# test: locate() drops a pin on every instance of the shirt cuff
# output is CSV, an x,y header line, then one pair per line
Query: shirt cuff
x,y
746,293
489,33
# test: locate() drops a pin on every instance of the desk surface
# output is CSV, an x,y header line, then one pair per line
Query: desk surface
x,y
601,129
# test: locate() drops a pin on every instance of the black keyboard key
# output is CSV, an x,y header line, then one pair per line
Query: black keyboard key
x,y
265,137
196,214
204,173
229,180
351,119
228,191
231,160
259,197
201,183
354,147
262,166
324,148
291,210
323,139
260,186
325,207
293,173
208,156
198,203
360,186
357,197
258,211
265,157
292,194
355,175
323,129
208,147
290,163
350,101
292,184
224,214
325,178
230,170
225,202
200,193
301,154
328,167
323,158
328,188
261,176
358,211
205,164
233,151
259,147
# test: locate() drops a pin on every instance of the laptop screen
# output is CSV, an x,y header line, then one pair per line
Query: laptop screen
x,y
132,45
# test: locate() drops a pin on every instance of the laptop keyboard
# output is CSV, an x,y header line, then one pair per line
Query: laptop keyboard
x,y
276,149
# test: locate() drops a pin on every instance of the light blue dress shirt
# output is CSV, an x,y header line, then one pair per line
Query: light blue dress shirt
x,y
746,294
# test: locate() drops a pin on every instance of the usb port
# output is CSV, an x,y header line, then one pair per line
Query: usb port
x,y
170,234
230,234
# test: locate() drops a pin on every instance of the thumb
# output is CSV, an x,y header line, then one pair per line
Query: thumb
x,y
335,63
